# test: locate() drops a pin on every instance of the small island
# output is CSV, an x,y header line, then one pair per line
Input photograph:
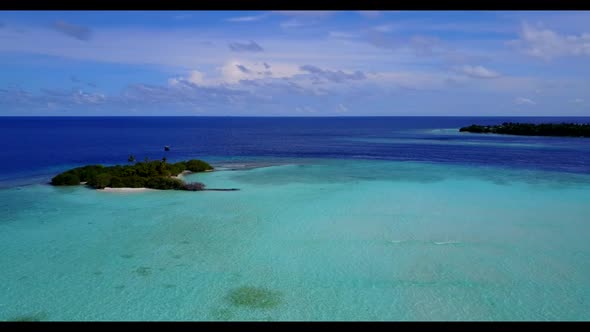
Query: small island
x,y
529,129
156,174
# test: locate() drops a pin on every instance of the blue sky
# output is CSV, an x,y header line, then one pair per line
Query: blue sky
x,y
295,63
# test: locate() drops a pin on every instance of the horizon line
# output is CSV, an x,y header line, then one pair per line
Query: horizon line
x,y
290,116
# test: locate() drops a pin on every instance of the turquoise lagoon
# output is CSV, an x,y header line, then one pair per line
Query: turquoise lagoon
x,y
314,239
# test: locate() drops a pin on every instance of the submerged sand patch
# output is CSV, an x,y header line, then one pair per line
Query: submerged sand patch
x,y
254,297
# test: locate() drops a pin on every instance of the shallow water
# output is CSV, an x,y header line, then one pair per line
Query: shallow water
x,y
316,239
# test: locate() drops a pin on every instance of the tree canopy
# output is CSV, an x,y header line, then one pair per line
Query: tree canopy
x,y
157,174
529,129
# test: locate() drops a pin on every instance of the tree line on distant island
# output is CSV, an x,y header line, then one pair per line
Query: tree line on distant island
x,y
529,129
156,174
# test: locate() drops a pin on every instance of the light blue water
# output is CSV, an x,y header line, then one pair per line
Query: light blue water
x,y
321,239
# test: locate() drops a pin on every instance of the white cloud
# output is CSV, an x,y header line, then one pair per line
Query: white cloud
x,y
341,109
195,77
577,101
476,71
425,45
263,78
332,76
246,18
383,28
234,71
251,46
82,97
305,109
548,44
72,30
51,97
231,72
305,13
292,23
420,45
369,13
523,101
121,45
185,48
413,80
182,17
301,18
341,34
257,70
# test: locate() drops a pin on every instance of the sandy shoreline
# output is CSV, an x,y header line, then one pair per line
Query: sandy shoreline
x,y
125,190
135,190
183,173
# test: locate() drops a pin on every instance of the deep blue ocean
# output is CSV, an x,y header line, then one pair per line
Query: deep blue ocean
x,y
34,148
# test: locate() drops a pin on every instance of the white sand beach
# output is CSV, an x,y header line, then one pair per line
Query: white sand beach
x,y
183,173
125,190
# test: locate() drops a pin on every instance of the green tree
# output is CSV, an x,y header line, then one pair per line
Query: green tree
x,y
152,174
101,181
65,179
196,165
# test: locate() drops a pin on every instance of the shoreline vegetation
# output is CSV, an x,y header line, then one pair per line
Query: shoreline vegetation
x,y
529,129
141,176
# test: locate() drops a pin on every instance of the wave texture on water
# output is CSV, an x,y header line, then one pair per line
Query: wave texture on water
x,y
334,219
319,240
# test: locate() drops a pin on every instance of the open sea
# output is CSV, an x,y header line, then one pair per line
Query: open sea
x,y
359,218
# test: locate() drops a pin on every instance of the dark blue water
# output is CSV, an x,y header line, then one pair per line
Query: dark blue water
x,y
42,146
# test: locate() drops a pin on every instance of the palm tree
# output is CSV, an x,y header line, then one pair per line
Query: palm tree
x,y
131,159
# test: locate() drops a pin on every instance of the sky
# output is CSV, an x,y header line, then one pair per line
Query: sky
x,y
295,63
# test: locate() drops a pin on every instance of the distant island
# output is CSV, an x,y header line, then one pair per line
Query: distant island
x,y
529,129
156,174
